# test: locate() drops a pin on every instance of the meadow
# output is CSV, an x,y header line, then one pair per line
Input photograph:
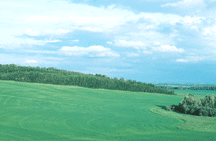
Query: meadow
x,y
196,92
31,111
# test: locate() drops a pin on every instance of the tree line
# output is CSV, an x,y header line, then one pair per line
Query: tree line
x,y
199,87
63,77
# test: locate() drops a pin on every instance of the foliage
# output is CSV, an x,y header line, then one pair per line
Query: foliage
x,y
187,87
201,107
63,77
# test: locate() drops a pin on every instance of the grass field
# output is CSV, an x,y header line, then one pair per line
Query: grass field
x,y
42,112
195,92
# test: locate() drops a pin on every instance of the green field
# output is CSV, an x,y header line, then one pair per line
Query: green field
x,y
42,112
195,92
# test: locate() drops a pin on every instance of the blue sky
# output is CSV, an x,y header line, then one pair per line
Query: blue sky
x,y
144,40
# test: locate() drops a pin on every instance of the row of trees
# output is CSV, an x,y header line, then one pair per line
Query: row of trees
x,y
63,77
201,107
199,87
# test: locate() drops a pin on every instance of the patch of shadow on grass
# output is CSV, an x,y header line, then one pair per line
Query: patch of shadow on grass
x,y
162,107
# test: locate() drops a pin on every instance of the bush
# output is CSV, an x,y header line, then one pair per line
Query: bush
x,y
170,107
198,103
202,107
211,112
205,112
214,110
200,112
193,110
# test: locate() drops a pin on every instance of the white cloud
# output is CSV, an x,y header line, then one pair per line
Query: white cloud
x,y
168,48
40,20
151,47
191,59
31,32
46,19
209,36
187,20
25,59
145,39
54,58
196,58
148,32
52,18
144,26
182,60
147,52
132,54
94,19
185,4
159,18
31,61
72,16
52,41
109,42
105,54
75,40
11,38
92,51
111,6
40,51
209,31
10,42
153,20
55,32
133,44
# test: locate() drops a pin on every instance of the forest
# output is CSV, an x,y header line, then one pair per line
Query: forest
x,y
63,77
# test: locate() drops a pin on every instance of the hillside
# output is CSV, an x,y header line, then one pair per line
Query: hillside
x,y
63,77
44,112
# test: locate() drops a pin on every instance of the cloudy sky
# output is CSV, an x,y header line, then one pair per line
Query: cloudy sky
x,y
144,40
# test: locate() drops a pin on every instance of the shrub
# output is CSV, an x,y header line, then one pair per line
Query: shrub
x,y
193,110
211,112
200,112
188,99
198,103
214,110
202,107
205,112
212,101
196,112
170,107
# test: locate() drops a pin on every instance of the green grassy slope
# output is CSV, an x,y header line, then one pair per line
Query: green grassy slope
x,y
52,112
63,77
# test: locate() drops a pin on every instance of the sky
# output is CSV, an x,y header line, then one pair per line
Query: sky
x,y
152,41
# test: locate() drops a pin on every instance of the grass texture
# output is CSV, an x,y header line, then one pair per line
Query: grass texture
x,y
46,112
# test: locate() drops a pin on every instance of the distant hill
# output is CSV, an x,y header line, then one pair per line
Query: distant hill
x,y
63,77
